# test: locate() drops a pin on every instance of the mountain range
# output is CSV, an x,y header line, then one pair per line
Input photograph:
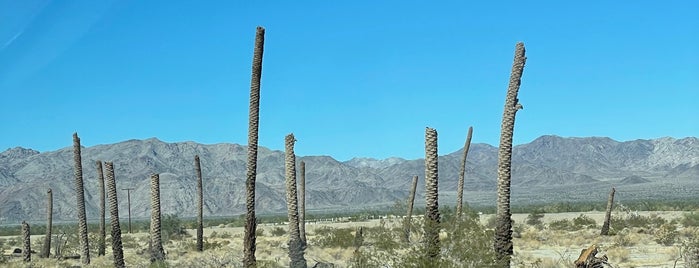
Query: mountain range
x,y
548,169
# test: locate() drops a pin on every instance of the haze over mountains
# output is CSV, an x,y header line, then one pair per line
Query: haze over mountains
x,y
549,169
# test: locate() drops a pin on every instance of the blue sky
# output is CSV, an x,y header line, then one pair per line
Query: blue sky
x,y
350,78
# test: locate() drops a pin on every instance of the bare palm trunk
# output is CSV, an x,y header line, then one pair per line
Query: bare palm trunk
x,y
431,195
409,215
117,248
200,205
295,247
80,194
249,244
46,250
608,215
27,249
462,175
157,253
100,179
302,204
503,230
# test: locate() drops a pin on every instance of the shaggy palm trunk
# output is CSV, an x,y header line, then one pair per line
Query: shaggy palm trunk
x,y
46,250
200,205
253,126
409,215
156,253
431,196
462,175
503,229
100,179
80,194
26,242
608,215
117,249
295,246
302,204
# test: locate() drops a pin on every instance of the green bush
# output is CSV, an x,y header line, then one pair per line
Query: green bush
x,y
334,237
690,219
534,219
278,231
666,235
561,225
584,221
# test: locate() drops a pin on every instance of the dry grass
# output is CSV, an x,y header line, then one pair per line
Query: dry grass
x,y
632,247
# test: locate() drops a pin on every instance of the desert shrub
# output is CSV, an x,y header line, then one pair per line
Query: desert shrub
x,y
690,219
666,234
534,218
561,225
172,228
278,231
334,237
382,238
583,221
690,250
633,219
259,232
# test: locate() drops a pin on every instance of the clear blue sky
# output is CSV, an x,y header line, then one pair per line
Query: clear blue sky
x,y
348,78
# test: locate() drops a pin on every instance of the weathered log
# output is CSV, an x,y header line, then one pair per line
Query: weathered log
x,y
588,259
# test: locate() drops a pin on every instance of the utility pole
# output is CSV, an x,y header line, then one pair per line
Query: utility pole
x,y
128,200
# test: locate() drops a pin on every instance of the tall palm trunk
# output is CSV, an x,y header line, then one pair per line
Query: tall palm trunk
x,y
409,216
100,179
117,249
302,204
200,205
253,126
46,250
295,246
608,215
503,229
462,175
431,195
157,253
80,194
26,242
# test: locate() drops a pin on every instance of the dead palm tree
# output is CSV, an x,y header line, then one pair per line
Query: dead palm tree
x,y
503,229
251,174
117,248
295,246
100,179
409,216
302,204
431,196
462,175
608,215
157,253
27,249
80,194
200,205
46,250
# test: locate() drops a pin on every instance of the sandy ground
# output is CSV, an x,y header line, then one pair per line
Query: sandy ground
x,y
544,248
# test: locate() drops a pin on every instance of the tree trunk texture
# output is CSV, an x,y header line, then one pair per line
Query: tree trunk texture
x,y
46,250
102,235
431,195
157,252
117,248
462,175
249,244
26,242
80,194
200,205
503,229
608,215
302,204
409,214
296,252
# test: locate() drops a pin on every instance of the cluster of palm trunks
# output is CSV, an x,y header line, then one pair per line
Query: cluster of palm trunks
x,y
296,199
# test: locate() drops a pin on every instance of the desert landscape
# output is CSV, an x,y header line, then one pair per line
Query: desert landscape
x,y
638,239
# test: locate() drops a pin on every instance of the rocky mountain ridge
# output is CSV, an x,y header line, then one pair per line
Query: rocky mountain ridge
x,y
549,164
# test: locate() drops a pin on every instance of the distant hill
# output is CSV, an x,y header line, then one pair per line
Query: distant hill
x,y
549,169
